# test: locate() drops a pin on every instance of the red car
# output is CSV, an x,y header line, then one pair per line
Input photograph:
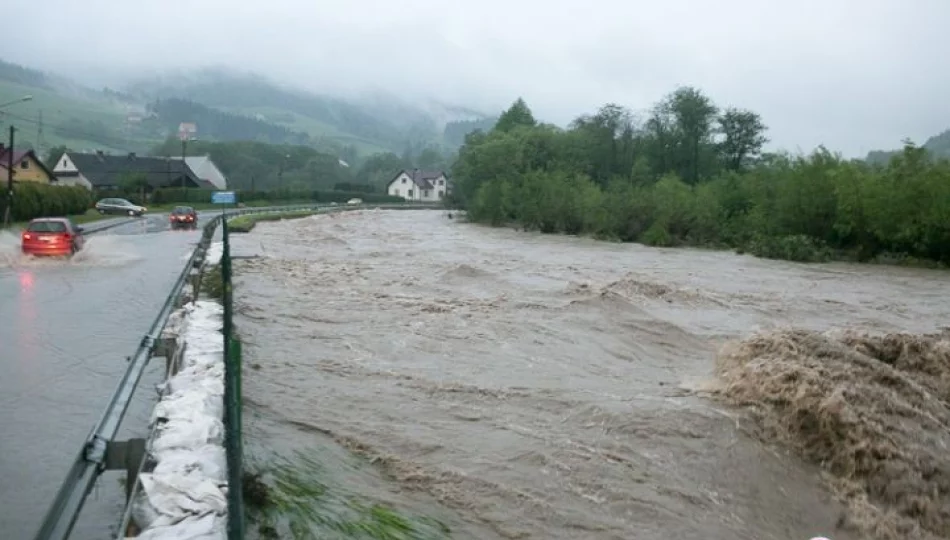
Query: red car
x,y
183,216
52,236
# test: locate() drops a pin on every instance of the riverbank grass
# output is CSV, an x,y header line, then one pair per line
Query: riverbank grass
x,y
246,223
291,498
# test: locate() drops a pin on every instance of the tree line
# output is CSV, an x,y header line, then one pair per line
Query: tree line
x,y
691,173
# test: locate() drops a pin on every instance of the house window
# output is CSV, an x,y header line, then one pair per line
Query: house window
x,y
441,194
24,164
426,194
441,182
403,180
64,163
409,193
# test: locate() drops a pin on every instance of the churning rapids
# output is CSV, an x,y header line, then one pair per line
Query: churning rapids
x,y
554,387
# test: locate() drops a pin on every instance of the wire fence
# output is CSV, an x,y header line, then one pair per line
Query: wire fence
x,y
233,435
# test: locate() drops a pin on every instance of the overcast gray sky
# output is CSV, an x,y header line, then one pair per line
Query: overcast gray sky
x,y
853,75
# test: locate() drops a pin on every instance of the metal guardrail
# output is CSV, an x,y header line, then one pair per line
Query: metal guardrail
x,y
90,461
95,227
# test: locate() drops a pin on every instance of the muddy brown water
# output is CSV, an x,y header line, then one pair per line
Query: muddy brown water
x,y
535,386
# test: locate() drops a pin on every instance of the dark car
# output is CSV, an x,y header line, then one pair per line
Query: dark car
x,y
183,217
57,236
120,206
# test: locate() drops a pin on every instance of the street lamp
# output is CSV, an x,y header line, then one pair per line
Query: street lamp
x,y
28,97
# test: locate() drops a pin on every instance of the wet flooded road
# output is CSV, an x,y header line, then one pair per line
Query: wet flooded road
x,y
66,328
543,386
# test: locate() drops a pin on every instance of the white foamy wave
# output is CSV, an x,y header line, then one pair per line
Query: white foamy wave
x,y
108,250
100,250
9,248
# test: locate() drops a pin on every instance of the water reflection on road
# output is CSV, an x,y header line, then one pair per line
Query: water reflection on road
x,y
66,328
542,386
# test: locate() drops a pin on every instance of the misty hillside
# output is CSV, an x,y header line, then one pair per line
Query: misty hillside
x,y
938,146
225,107
372,124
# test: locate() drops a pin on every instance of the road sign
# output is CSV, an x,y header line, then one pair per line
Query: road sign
x,y
187,130
223,197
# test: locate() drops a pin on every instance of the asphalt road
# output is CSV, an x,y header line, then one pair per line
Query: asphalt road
x,y
66,328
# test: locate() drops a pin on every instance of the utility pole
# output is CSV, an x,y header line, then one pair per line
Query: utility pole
x,y
7,215
280,173
40,139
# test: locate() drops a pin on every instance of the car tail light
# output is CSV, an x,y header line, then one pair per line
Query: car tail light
x,y
27,236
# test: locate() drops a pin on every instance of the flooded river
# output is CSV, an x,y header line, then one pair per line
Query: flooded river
x,y
541,386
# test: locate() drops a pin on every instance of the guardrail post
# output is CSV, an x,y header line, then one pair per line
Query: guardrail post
x,y
126,455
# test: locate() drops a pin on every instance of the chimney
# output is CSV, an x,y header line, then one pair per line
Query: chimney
x,y
131,155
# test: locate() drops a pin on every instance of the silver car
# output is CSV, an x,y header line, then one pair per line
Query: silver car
x,y
119,206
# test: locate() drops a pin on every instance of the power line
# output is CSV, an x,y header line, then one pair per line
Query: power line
x,y
40,140
73,132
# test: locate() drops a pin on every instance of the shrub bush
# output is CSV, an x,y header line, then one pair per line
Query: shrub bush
x,y
32,200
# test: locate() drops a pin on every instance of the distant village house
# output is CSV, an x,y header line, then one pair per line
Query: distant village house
x,y
419,185
105,171
207,171
27,167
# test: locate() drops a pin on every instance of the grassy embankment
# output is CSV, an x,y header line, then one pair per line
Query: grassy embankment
x,y
244,224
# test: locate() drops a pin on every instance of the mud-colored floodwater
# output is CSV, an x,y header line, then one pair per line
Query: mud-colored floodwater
x,y
530,386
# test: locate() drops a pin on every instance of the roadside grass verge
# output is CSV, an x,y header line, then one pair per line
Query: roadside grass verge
x,y
87,217
292,498
244,224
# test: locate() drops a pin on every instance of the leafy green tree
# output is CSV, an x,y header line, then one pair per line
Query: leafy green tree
x,y
694,114
379,169
744,137
670,182
517,115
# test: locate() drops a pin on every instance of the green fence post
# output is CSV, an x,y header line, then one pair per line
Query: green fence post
x,y
232,398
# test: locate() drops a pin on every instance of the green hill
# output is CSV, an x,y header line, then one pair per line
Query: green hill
x,y
373,124
225,107
61,113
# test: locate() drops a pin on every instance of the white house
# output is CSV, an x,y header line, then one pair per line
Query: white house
x,y
206,170
67,174
419,185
